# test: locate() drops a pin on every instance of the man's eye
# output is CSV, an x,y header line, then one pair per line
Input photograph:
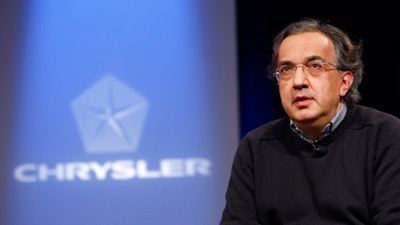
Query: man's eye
x,y
284,69
314,65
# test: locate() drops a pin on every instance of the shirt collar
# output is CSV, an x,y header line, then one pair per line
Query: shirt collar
x,y
331,126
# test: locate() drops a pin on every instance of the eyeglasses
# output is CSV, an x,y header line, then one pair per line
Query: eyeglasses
x,y
313,68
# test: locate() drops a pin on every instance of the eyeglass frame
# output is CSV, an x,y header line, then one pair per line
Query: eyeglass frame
x,y
294,68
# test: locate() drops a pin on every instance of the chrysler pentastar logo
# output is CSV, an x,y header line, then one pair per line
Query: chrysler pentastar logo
x,y
110,116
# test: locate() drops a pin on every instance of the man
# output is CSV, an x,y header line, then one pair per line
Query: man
x,y
330,160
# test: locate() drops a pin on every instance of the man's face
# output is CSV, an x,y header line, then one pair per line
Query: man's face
x,y
311,101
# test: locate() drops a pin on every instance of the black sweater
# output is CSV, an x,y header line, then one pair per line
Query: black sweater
x,y
278,178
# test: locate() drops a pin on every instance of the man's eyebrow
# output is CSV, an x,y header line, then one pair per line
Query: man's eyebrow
x,y
285,62
306,60
313,57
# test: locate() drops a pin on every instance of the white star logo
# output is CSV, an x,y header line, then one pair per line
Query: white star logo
x,y
110,116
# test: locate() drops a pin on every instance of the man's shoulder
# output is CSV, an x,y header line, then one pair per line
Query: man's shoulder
x,y
272,129
374,113
364,115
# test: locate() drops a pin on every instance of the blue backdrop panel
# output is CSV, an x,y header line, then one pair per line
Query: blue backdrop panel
x,y
126,113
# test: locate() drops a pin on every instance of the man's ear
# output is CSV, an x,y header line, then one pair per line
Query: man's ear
x,y
347,81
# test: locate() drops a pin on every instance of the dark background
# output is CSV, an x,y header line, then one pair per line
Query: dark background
x,y
375,23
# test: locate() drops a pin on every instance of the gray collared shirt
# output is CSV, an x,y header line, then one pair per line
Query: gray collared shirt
x,y
331,126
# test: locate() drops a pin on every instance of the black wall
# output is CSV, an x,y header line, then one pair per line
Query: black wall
x,y
377,24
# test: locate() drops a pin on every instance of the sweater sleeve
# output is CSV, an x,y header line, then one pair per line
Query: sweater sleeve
x,y
385,201
240,205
